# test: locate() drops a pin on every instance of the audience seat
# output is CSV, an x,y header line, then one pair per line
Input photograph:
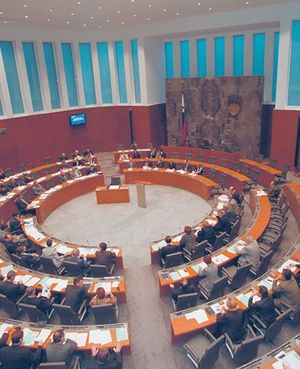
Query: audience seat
x,y
73,269
7,308
32,313
198,251
49,267
185,301
236,275
172,260
104,314
66,315
100,271
263,264
218,289
62,365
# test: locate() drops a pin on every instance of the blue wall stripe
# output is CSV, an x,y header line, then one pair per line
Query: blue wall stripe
x,y
51,74
119,59
85,52
219,56
136,69
104,68
169,60
238,55
258,67
275,64
294,79
33,76
67,55
185,58
201,58
1,109
12,77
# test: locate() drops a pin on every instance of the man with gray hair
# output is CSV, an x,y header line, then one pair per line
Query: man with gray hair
x,y
249,254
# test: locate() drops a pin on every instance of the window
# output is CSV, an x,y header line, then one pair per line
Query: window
x,y
275,64
136,69
238,56
51,74
103,60
169,60
219,56
119,59
201,58
66,49
258,67
294,79
185,58
85,52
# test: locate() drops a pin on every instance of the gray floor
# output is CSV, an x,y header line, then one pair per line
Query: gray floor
x,y
84,222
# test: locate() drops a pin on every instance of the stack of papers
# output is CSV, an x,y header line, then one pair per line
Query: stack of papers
x,y
219,259
199,315
291,360
98,336
289,264
183,273
216,308
199,267
231,249
261,193
122,334
63,249
4,270
175,276
158,245
177,238
61,285
3,328
23,278
29,337
32,281
79,338
266,282
43,335
114,187
244,298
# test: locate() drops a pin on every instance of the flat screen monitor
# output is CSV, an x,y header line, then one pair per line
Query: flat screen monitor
x,y
77,119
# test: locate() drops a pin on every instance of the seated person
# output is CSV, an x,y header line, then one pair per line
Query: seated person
x,y
285,290
104,257
62,176
76,154
130,164
206,233
134,146
274,191
199,170
75,294
231,321
161,153
16,356
103,298
51,253
25,179
21,204
168,249
60,349
62,157
187,167
223,224
2,173
15,224
74,257
152,153
105,358
37,189
262,304
136,154
30,258
3,189
171,165
235,195
124,156
249,254
188,240
11,243
3,230
91,169
10,289
209,274
185,288
43,303
147,165
75,173
88,153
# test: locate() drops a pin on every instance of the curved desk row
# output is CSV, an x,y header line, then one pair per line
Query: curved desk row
x,y
266,175
260,206
50,200
292,192
58,284
233,178
38,237
186,323
109,335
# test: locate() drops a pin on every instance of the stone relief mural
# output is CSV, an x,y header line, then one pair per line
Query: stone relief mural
x,y
222,113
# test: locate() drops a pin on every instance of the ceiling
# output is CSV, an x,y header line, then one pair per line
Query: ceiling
x,y
108,14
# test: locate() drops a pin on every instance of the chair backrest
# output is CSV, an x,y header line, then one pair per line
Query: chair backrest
x,y
186,301
188,156
222,179
58,365
115,181
247,349
16,259
199,250
66,314
254,175
218,289
48,265
120,147
235,229
274,329
264,262
34,314
149,145
73,269
273,162
240,276
104,314
219,241
211,354
98,271
173,259
8,307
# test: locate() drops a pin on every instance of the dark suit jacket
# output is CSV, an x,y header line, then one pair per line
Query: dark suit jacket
x,y
74,296
168,249
183,290
14,225
264,309
42,303
113,361
57,352
206,233
82,263
16,357
105,258
21,204
11,290
232,323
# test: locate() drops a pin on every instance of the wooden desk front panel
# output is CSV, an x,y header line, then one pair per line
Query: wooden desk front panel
x,y
107,196
65,194
266,173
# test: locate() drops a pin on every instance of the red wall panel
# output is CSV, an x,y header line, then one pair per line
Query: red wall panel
x,y
30,139
284,135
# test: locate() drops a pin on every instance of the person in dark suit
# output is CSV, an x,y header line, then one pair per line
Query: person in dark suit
x,y
10,289
206,233
161,153
37,189
185,288
199,170
262,304
105,257
231,321
168,249
274,191
3,189
2,173
171,165
152,153
62,176
285,290
21,204
223,225
61,349
43,303
62,157
186,166
74,257
15,224
16,356
75,294
235,195
88,153
105,358
136,154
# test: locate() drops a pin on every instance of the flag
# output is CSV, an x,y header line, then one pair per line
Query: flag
x,y
184,125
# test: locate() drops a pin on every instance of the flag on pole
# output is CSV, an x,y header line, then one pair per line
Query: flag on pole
x,y
184,125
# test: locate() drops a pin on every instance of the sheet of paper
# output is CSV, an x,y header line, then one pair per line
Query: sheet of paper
x,y
44,281
219,259
231,249
183,273
32,282
22,278
244,298
6,269
122,334
43,335
289,264
71,336
61,285
81,339
211,222
291,360
175,276
115,284
216,308
94,336
114,187
265,283
199,315
105,336
63,249
177,238
158,245
29,336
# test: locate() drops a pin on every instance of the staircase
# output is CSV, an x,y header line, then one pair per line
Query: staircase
x,y
108,167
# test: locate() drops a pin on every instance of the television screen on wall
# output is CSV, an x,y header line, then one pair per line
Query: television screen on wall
x,y
77,119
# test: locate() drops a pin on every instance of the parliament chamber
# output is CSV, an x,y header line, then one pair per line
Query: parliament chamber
x,y
149,184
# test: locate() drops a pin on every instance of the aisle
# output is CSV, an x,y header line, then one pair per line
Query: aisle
x,y
149,326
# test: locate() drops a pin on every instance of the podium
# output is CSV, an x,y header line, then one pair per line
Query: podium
x,y
141,193
106,195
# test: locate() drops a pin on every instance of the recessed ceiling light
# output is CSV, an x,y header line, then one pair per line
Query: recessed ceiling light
x,y
177,13
68,22
91,17
5,22
122,23
25,5
210,9
148,18
50,10
150,5
79,2
247,2
107,20
199,3
99,27
84,25
118,11
48,20
134,15
1,13
99,7
72,14
26,16
132,1
164,10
